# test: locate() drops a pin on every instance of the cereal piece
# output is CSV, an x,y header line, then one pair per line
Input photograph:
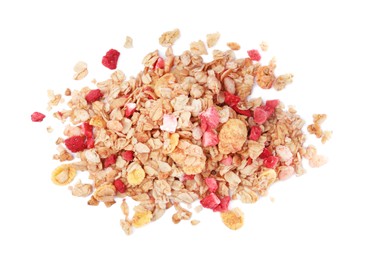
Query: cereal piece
x,y
234,46
67,92
282,80
126,226
319,118
169,123
212,39
81,190
285,172
63,174
263,46
37,117
105,193
315,129
168,38
128,43
81,70
233,219
317,161
232,136
326,136
265,77
124,207
170,144
198,48
135,177
194,222
141,218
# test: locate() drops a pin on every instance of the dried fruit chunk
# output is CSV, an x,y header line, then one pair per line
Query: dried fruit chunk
x,y
223,206
232,136
209,138
168,38
254,55
110,160
37,117
141,218
169,123
135,177
255,133
260,115
233,219
210,201
63,174
270,162
212,184
209,119
93,95
110,60
128,155
119,186
76,143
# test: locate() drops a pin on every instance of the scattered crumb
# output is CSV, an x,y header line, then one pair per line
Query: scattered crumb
x,y
234,46
264,46
128,43
212,39
194,222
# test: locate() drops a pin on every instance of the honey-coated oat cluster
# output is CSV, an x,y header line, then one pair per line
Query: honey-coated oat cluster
x,y
183,130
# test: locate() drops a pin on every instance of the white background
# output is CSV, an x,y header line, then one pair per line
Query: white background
x,y
325,214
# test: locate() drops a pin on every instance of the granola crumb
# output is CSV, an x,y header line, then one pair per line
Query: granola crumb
x,y
49,129
68,92
128,43
80,70
272,199
212,39
263,46
198,48
168,38
234,46
195,222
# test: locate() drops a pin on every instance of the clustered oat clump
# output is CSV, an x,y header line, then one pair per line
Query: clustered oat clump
x,y
182,130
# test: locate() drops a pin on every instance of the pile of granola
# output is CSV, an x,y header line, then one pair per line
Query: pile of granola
x,y
182,130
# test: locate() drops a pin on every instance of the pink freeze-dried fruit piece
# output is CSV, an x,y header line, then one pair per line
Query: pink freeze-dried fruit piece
x,y
270,162
110,60
93,95
255,133
223,206
242,112
188,177
159,63
128,155
76,143
260,115
87,129
209,138
272,103
130,109
119,186
110,160
212,184
90,142
210,201
37,117
209,119
227,161
169,123
265,154
254,55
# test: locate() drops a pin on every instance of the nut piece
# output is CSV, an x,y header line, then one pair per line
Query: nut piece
x,y
63,174
135,177
168,38
232,136
141,218
233,219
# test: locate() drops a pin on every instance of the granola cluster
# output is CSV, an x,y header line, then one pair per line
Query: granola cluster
x,y
182,130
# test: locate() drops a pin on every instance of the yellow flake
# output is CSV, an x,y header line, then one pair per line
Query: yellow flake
x,y
135,177
233,219
141,218
97,121
63,174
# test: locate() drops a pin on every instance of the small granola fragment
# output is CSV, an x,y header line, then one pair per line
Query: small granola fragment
x,y
233,219
141,218
80,70
198,48
168,38
263,46
128,43
212,39
234,46
232,136
81,190
135,177
194,222
282,80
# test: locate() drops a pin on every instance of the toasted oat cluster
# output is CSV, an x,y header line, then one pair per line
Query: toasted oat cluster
x,y
183,130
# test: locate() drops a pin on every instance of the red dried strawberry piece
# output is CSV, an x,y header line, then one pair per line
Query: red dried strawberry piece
x,y
90,142
227,161
223,206
242,112
273,103
230,99
130,109
93,95
128,156
249,161
260,115
76,143
212,184
119,186
110,160
210,201
266,153
209,138
87,129
255,133
254,55
209,119
110,60
188,177
270,162
159,64
37,117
